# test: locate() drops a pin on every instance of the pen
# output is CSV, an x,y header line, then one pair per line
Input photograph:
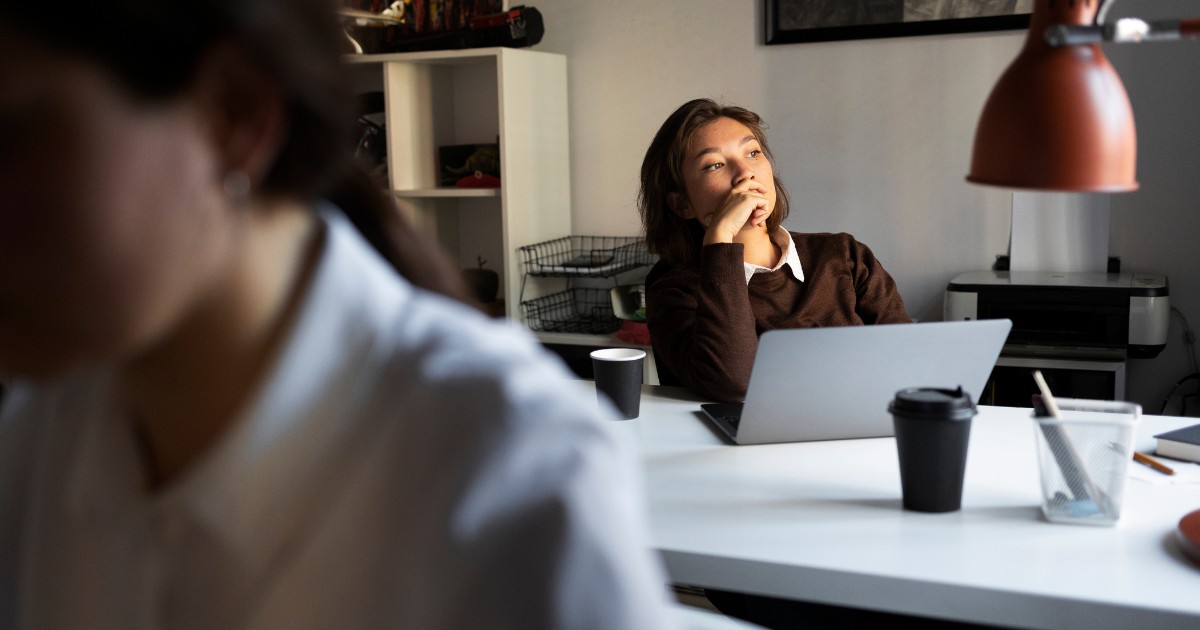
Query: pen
x,y
1153,463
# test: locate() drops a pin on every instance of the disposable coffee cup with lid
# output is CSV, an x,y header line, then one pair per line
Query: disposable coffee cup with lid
x,y
933,426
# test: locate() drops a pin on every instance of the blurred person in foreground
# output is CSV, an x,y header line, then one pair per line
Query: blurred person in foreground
x,y
239,393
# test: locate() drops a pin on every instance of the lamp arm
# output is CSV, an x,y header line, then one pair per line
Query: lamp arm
x,y
1122,31
1102,12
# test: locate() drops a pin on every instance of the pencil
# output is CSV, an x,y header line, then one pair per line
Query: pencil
x,y
1153,463
1047,397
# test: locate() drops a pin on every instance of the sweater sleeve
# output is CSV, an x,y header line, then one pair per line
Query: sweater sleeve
x,y
701,324
878,299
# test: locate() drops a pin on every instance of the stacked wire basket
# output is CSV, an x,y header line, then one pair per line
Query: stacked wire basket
x,y
579,309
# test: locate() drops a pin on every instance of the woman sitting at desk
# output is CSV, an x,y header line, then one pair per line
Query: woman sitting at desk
x,y
711,208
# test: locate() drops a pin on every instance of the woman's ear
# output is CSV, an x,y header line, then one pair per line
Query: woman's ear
x,y
244,109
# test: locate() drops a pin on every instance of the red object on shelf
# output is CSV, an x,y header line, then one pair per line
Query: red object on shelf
x,y
478,180
634,332
1188,535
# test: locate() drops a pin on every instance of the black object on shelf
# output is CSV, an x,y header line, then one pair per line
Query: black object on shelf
x,y
371,148
577,310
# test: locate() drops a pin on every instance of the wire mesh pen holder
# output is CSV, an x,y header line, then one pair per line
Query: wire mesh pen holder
x,y
1084,456
579,309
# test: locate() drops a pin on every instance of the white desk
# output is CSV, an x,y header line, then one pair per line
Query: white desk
x,y
822,521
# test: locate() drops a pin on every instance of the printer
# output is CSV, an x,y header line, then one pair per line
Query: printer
x,y
1080,315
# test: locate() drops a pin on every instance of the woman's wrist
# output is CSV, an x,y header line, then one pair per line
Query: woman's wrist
x,y
714,235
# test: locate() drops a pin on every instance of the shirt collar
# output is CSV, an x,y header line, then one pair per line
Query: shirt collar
x,y
783,239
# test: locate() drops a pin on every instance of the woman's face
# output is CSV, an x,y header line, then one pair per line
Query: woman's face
x,y
721,156
109,220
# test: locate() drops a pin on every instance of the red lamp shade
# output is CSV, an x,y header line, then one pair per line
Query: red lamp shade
x,y
1059,117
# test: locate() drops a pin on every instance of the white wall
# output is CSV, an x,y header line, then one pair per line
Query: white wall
x,y
873,137
1157,228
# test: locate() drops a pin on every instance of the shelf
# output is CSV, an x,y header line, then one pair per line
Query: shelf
x,y
447,193
584,339
515,98
434,57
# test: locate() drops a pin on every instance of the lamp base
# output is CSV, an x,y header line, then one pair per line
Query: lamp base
x,y
1188,535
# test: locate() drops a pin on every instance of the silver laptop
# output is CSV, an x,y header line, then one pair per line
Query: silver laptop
x,y
835,383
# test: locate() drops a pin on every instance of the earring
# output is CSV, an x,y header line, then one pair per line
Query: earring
x,y
237,184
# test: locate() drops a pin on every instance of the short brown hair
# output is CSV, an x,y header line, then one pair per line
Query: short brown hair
x,y
673,238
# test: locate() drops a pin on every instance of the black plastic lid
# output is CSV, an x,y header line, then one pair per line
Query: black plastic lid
x,y
933,403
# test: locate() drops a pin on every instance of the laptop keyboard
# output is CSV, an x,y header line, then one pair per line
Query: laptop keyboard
x,y
726,415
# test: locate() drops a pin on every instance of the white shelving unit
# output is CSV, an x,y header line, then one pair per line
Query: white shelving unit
x,y
478,96
516,96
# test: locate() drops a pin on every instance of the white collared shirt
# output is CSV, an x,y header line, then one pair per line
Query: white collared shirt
x,y
406,464
783,239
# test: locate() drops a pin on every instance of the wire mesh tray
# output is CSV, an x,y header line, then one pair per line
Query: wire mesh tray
x,y
580,310
586,256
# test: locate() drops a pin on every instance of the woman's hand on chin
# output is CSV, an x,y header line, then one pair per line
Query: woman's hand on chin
x,y
745,210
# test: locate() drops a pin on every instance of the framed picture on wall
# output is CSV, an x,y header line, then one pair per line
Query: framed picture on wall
x,y
795,21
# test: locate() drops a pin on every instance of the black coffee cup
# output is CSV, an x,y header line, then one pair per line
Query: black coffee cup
x,y
618,373
933,427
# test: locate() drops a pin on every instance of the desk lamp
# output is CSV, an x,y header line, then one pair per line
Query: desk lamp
x,y
1059,118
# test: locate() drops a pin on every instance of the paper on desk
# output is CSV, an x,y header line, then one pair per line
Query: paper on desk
x,y
1059,232
1185,473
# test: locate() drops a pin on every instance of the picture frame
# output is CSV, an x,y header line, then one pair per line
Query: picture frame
x,y
799,21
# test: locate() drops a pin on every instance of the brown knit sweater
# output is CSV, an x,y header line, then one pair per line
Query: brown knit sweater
x,y
705,321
